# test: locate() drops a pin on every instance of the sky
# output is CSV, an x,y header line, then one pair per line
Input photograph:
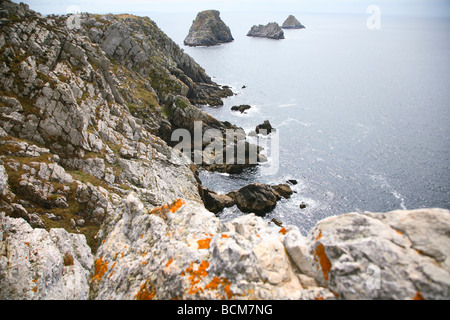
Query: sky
x,y
402,7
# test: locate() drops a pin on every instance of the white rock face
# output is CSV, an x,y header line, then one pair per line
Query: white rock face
x,y
36,264
186,252
394,255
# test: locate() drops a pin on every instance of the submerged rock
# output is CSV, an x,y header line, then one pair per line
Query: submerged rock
x,y
208,30
271,30
241,108
292,23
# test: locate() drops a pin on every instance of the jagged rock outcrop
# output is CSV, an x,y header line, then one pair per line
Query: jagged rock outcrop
x,y
292,23
271,30
208,29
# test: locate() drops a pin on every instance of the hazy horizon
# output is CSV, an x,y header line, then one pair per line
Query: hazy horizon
x,y
390,7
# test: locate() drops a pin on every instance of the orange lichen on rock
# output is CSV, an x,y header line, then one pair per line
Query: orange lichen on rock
x,y
177,205
204,243
145,293
195,276
418,296
319,235
321,257
162,211
169,262
283,230
101,267
216,282
225,236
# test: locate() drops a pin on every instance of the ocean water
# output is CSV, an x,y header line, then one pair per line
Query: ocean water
x,y
362,115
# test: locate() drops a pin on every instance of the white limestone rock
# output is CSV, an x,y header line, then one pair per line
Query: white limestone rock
x,y
40,265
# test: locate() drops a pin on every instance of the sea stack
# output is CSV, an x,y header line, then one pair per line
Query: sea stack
x,y
292,23
208,30
271,30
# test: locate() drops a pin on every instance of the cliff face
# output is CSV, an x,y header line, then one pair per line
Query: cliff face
x,y
208,30
95,204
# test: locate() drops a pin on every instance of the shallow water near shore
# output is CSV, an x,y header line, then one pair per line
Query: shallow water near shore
x,y
363,115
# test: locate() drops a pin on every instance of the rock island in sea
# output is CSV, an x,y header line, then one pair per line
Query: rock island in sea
x,y
208,29
271,30
292,23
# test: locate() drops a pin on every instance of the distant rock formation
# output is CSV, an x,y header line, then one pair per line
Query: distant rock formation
x,y
292,23
271,30
208,30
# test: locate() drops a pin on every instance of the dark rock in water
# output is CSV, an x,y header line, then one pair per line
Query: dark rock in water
x,y
259,198
283,190
292,23
271,30
215,202
208,30
264,126
303,205
241,108
292,181
277,222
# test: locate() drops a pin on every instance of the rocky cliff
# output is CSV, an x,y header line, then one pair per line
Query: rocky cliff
x,y
95,204
208,30
271,30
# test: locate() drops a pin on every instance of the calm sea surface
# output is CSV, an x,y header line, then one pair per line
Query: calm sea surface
x,y
363,115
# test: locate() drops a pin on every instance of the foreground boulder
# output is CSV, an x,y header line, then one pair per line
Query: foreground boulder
x,y
182,251
394,255
271,30
208,30
292,23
